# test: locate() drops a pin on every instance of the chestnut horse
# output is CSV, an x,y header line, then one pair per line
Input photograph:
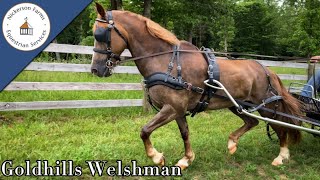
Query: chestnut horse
x,y
245,80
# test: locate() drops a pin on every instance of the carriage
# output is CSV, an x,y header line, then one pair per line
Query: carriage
x,y
311,108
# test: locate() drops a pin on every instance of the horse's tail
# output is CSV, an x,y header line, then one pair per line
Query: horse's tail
x,y
291,106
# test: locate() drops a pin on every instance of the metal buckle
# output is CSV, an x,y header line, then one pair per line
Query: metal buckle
x,y
210,69
109,63
189,86
110,26
200,90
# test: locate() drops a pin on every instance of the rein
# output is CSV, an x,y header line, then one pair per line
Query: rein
x,y
163,53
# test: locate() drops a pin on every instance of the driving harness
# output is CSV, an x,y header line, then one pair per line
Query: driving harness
x,y
178,83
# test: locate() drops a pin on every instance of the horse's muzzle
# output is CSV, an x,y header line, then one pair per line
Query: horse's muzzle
x,y
101,71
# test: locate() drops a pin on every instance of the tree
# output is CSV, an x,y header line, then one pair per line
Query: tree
x,y
116,4
310,26
147,8
271,27
226,32
300,28
255,31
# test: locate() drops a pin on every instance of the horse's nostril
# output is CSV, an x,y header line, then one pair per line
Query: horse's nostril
x,y
94,71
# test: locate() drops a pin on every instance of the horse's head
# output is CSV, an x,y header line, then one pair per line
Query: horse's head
x,y
110,41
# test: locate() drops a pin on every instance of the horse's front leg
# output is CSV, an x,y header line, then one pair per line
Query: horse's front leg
x,y
166,114
188,155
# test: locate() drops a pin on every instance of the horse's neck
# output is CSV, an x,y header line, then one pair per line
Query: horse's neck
x,y
142,43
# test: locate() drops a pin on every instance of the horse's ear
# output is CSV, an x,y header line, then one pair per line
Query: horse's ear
x,y
100,10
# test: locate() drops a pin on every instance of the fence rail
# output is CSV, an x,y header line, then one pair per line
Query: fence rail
x,y
283,64
35,66
76,49
65,67
41,105
70,86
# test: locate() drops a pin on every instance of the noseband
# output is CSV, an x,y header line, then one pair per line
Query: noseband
x,y
104,35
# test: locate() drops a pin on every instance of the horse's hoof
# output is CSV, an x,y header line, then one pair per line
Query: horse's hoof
x,y
182,167
233,150
277,162
159,159
185,162
232,146
163,161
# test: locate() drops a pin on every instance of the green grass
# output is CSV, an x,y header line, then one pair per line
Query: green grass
x,y
114,134
75,77
11,96
281,70
296,71
67,95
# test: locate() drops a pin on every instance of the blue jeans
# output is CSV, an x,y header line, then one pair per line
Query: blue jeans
x,y
307,91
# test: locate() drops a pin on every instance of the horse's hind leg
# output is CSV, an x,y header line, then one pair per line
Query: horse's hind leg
x,y
284,150
166,114
249,123
282,134
189,155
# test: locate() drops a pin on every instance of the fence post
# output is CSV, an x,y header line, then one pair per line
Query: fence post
x,y
146,105
311,67
57,54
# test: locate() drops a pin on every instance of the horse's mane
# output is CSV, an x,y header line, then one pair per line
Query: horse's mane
x,y
157,31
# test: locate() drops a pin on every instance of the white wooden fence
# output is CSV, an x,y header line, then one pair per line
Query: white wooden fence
x,y
65,86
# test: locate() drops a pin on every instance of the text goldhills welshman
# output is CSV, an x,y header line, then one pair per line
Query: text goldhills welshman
x,y
96,167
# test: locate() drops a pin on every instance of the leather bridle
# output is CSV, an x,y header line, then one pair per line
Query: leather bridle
x,y
103,35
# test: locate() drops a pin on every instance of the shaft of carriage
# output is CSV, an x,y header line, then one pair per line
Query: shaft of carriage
x,y
218,85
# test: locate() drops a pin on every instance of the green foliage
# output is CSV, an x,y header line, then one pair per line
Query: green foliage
x,y
255,30
310,27
196,21
87,41
300,32
270,27
77,30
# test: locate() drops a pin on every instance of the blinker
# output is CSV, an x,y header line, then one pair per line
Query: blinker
x,y
101,34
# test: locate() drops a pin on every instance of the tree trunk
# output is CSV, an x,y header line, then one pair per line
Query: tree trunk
x,y
116,4
119,5
190,36
225,44
200,36
113,4
147,8
225,35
